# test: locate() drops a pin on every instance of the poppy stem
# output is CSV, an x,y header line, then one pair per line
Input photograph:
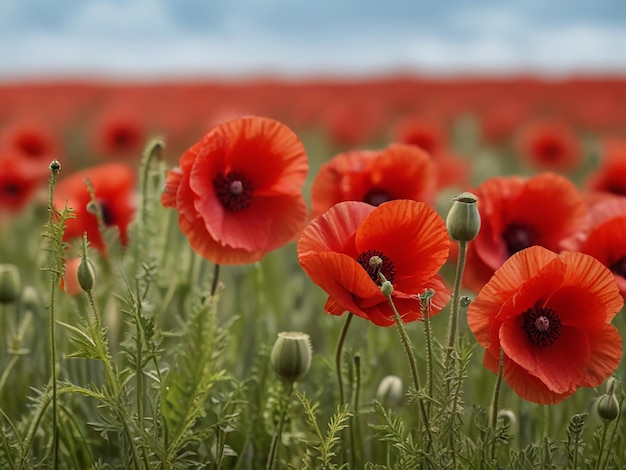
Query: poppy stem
x,y
408,349
271,459
426,300
454,317
342,338
216,279
494,404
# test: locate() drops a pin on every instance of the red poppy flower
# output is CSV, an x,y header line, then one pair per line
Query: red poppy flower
x,y
545,210
69,282
550,315
19,180
397,172
605,238
31,139
550,145
610,177
344,249
238,191
119,133
113,185
427,135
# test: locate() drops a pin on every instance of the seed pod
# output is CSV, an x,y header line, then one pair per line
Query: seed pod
x,y
463,221
291,355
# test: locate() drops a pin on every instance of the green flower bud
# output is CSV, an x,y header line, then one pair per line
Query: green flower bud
x,y
390,391
387,288
31,301
10,284
608,407
463,221
85,275
291,355
55,166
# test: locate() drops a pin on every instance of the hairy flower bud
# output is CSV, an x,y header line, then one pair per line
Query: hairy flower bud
x,y
390,391
291,355
608,407
85,275
10,284
463,221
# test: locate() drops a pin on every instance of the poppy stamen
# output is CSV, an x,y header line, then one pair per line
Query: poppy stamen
x,y
376,197
233,190
375,262
518,237
542,325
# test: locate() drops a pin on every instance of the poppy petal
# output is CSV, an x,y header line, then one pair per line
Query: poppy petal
x,y
605,356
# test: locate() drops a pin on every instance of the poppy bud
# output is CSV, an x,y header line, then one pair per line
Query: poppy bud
x,y
608,407
291,355
10,284
55,166
390,391
31,302
463,221
85,275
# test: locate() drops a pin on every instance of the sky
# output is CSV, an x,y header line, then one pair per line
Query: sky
x,y
152,39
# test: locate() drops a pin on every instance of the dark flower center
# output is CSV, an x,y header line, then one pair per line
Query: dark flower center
x,y
31,145
550,150
105,211
234,190
518,237
375,262
377,196
542,326
619,267
11,190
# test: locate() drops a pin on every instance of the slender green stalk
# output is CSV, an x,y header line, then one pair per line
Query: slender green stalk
x,y
602,442
354,419
216,279
454,316
153,149
408,349
494,404
271,459
7,370
426,309
342,338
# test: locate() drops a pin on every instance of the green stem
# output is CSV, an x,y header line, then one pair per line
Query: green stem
x,y
494,404
7,370
153,149
408,349
454,317
271,459
602,441
342,338
216,279
426,302
354,431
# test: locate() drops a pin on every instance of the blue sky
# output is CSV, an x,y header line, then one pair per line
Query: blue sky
x,y
178,38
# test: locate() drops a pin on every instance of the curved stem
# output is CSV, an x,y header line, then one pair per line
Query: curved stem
x,y
355,428
426,303
342,338
408,349
271,459
494,404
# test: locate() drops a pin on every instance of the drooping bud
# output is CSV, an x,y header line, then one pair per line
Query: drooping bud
x,y
386,287
291,355
390,391
463,221
10,284
85,275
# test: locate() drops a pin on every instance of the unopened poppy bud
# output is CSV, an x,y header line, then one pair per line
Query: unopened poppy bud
x,y
291,355
608,407
610,386
10,284
390,391
55,166
463,221
85,275
31,302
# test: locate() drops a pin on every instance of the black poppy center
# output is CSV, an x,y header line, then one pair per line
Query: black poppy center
x,y
234,190
11,190
550,150
105,212
375,262
542,326
619,267
377,196
31,145
123,139
518,237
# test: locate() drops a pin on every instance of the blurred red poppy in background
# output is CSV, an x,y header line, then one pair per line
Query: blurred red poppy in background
x,y
550,315
119,133
32,139
19,180
546,210
344,250
397,172
113,186
610,177
238,191
549,145
426,134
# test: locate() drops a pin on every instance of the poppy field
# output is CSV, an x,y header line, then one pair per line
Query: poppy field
x,y
394,273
